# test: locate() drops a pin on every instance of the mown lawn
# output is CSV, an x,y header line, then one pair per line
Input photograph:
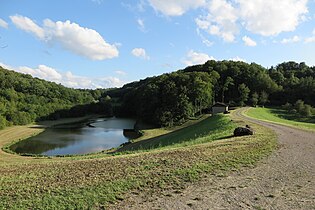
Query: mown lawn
x,y
282,117
93,182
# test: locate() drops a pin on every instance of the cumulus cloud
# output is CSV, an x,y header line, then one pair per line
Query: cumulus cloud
x,y
248,41
219,23
175,7
268,18
272,17
140,52
193,58
67,78
28,25
42,71
70,36
3,24
290,40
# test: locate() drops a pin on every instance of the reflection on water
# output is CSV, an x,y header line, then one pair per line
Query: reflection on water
x,y
100,135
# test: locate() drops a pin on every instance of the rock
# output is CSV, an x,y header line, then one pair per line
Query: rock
x,y
240,131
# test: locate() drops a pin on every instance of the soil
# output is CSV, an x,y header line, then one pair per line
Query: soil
x,y
284,180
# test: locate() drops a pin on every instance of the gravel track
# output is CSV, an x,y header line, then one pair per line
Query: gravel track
x,y
284,180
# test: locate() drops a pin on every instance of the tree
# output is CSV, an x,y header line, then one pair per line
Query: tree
x,y
255,99
307,111
263,98
228,82
299,106
287,106
244,93
3,122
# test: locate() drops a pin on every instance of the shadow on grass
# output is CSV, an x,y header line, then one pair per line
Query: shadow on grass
x,y
225,137
284,114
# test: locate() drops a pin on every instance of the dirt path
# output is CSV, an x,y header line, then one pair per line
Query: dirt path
x,y
284,180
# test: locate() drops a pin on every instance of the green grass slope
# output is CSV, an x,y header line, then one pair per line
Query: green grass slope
x,y
209,129
279,116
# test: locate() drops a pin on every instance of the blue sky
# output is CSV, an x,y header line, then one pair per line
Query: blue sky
x,y
107,43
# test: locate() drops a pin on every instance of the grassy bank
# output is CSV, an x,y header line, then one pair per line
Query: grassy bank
x,y
99,180
208,129
282,117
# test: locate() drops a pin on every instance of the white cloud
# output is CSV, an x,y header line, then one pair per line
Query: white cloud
x,y
5,66
28,25
175,7
141,24
248,41
290,40
3,24
70,36
67,78
42,71
238,59
225,18
140,52
121,73
310,39
82,41
220,23
272,17
204,40
193,58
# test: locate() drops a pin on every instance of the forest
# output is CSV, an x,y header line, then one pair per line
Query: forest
x,y
24,99
174,97
164,100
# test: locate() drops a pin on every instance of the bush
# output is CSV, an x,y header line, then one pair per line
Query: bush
x,y
287,106
299,106
3,122
307,111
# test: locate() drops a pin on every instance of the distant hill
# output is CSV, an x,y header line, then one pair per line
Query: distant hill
x,y
173,98
24,99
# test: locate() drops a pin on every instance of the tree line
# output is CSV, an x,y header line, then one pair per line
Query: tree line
x,y
163,100
174,97
24,99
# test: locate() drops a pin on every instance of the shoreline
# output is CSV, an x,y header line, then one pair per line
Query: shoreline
x,y
13,134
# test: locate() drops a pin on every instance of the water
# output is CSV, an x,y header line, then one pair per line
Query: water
x,y
101,134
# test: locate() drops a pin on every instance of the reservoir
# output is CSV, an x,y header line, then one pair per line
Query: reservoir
x,y
81,138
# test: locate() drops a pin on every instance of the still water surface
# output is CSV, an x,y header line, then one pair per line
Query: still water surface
x,y
99,135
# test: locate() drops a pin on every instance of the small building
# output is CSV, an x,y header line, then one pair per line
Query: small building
x,y
219,108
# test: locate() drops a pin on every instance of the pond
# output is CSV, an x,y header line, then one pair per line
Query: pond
x,y
81,138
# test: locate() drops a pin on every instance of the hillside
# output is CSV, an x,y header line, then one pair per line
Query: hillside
x,y
164,100
172,98
24,99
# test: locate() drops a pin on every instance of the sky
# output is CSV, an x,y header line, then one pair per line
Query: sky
x,y
108,43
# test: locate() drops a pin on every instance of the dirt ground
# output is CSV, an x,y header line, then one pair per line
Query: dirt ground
x,y
284,180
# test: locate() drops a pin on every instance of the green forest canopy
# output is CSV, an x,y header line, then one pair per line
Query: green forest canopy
x,y
163,100
172,98
24,99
